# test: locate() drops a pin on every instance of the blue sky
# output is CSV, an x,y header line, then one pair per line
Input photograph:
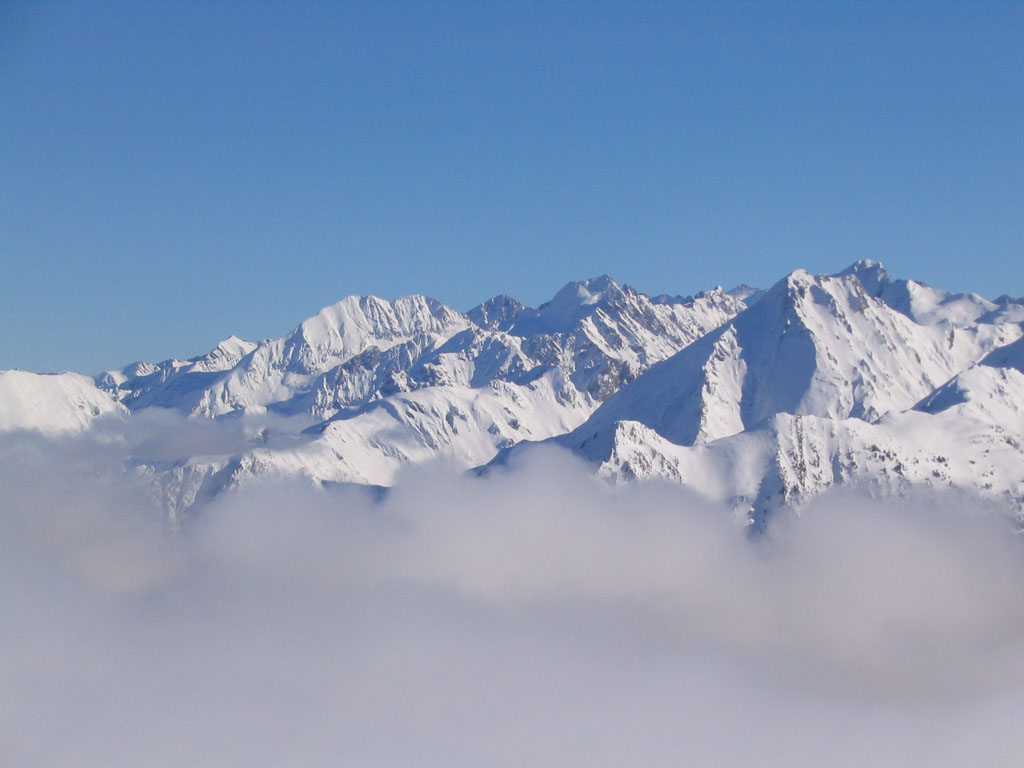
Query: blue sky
x,y
172,173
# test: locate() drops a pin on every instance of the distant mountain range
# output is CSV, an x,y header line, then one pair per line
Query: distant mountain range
x,y
759,399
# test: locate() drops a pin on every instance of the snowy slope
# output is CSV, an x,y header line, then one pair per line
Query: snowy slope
x,y
455,426
52,404
461,426
788,461
992,391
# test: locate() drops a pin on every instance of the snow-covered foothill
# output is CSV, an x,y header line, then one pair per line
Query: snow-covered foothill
x,y
52,404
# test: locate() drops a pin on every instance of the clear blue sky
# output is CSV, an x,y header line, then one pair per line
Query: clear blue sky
x,y
171,173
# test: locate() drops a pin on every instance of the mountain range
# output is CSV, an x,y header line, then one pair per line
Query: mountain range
x,y
759,399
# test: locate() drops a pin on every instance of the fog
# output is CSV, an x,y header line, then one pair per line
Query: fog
x,y
535,616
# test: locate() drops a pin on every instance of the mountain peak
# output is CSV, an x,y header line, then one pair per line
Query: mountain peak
x,y
233,345
872,274
571,304
799,278
498,313
585,292
743,292
787,291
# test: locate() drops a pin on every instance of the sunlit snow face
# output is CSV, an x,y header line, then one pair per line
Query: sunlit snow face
x,y
535,616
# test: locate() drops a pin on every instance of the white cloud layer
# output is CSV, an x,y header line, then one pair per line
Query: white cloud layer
x,y
535,616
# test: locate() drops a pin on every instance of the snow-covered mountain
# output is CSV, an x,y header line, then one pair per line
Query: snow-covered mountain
x,y
364,349
824,381
758,398
819,346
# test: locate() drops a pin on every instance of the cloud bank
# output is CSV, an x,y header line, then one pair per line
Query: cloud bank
x,y
535,616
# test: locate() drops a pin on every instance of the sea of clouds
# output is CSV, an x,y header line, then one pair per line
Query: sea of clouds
x,y
533,616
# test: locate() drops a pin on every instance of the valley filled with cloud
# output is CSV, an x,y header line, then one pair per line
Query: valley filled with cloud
x,y
535,615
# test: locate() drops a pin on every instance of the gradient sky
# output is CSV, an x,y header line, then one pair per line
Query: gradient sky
x,y
172,173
